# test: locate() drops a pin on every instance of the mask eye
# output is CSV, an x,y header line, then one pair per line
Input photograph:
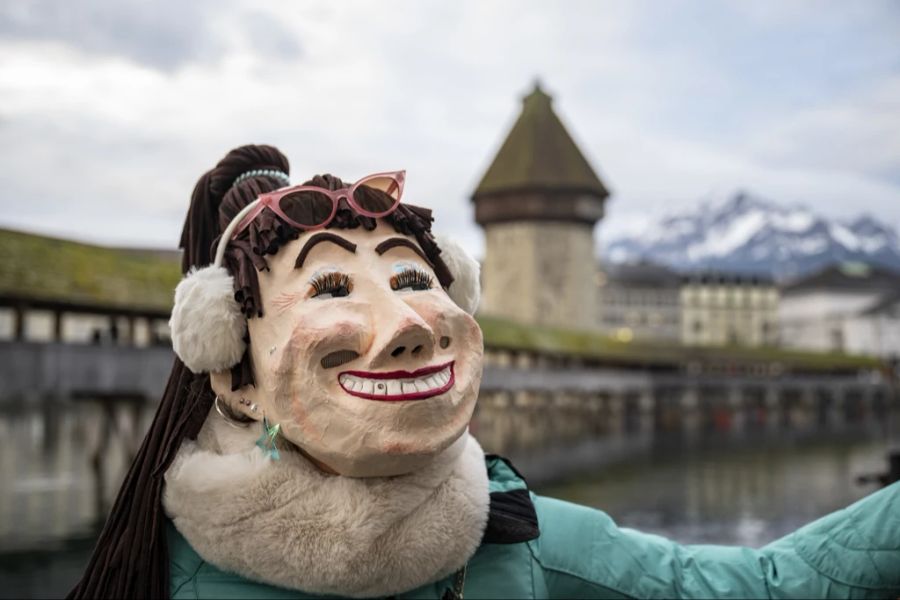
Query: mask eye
x,y
332,284
410,277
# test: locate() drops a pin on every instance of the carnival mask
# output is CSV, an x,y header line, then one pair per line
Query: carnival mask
x,y
362,358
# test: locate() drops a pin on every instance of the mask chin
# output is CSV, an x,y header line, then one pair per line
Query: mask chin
x,y
391,465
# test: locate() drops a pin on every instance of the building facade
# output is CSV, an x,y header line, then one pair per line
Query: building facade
x,y
727,309
848,307
876,330
640,302
538,203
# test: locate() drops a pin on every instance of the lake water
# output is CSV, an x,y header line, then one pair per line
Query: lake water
x,y
746,494
734,489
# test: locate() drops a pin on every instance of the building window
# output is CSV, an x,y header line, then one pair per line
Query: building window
x,y
837,339
7,324
39,326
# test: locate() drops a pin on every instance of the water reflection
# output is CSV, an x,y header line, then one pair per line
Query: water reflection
x,y
61,479
731,493
744,485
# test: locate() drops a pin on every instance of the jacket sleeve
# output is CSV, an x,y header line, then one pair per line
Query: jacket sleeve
x,y
852,553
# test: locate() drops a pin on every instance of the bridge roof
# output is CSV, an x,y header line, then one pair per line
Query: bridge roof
x,y
502,334
74,276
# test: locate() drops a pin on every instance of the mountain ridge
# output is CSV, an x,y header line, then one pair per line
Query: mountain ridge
x,y
748,234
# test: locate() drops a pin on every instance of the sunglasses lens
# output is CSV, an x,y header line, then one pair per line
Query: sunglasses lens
x,y
307,208
377,195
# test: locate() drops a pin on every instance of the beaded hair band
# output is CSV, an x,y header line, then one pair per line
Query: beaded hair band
x,y
280,175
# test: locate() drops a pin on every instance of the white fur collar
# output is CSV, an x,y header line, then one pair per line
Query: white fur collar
x,y
288,524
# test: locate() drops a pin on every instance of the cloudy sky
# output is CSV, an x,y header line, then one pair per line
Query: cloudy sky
x,y
109,111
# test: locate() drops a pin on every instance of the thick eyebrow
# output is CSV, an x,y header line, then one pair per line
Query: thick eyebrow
x,y
323,237
399,241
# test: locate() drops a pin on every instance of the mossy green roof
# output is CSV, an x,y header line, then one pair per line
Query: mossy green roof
x,y
539,153
508,335
45,269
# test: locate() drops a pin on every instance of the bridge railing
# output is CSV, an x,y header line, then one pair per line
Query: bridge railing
x,y
30,371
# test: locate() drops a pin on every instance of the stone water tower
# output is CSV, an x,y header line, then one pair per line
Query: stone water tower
x,y
538,203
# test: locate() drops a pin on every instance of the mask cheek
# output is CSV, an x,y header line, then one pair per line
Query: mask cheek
x,y
464,333
314,335
438,309
300,421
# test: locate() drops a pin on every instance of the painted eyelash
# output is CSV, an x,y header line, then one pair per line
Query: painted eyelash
x,y
333,282
411,277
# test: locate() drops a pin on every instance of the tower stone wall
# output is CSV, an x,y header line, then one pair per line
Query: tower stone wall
x,y
542,273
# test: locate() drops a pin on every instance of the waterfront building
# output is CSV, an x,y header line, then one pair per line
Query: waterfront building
x,y
719,309
640,302
538,203
846,307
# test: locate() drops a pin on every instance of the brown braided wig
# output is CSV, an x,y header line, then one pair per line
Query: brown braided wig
x,y
131,559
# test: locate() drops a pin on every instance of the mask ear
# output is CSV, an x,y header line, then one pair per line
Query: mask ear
x,y
207,325
466,287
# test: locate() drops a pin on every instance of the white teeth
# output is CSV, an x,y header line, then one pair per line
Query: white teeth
x,y
394,387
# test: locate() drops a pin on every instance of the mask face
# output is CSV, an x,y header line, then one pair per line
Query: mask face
x,y
361,357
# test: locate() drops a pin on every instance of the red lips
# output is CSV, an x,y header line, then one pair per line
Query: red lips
x,y
389,386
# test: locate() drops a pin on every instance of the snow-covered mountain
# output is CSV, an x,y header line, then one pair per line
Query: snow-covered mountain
x,y
748,234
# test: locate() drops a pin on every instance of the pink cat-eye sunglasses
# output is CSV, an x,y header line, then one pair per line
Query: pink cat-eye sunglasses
x,y
311,207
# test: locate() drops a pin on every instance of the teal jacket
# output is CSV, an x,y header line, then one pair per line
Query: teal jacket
x,y
537,547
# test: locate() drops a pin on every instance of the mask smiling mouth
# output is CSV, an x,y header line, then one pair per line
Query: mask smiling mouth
x,y
399,385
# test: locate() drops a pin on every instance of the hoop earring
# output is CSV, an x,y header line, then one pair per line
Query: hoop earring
x,y
229,420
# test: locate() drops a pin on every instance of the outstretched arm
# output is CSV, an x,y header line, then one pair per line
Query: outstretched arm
x,y
852,553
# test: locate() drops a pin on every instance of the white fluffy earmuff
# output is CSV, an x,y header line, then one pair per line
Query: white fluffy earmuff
x,y
466,287
208,327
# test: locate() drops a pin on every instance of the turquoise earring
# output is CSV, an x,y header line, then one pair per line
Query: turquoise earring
x,y
266,441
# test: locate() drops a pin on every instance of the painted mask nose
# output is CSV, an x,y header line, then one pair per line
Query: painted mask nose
x,y
412,338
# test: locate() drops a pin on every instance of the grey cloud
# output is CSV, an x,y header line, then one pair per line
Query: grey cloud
x,y
269,37
163,35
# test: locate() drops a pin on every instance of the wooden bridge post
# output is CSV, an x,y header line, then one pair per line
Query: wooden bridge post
x,y
616,403
647,399
867,402
836,406
58,326
736,406
19,322
822,407
773,406
807,407
690,407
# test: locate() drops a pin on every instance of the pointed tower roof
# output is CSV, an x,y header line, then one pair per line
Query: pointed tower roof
x,y
539,154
